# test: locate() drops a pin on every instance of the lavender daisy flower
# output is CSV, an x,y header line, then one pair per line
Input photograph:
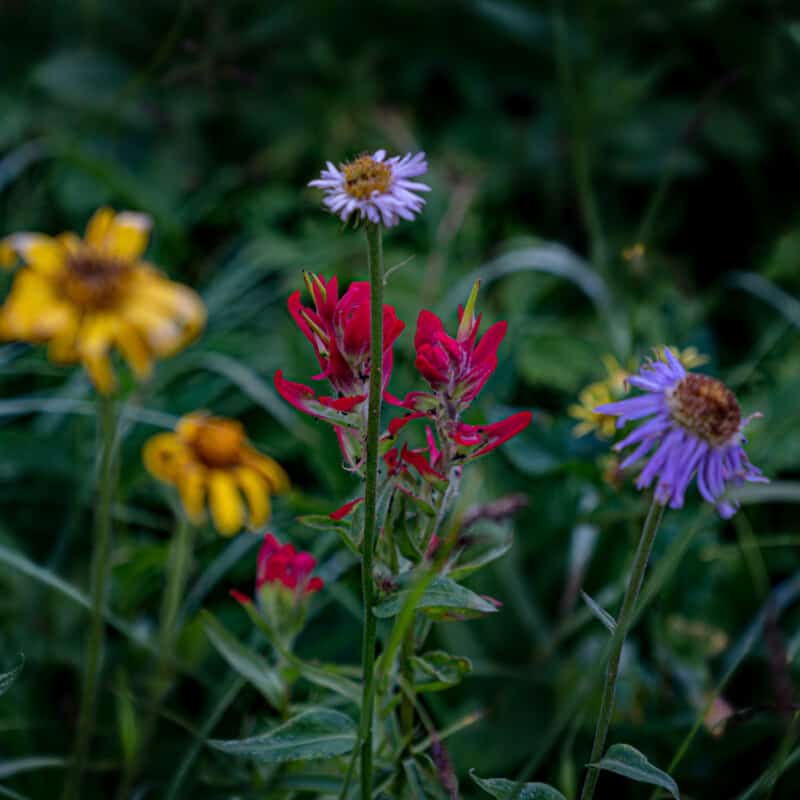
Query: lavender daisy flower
x,y
375,187
695,426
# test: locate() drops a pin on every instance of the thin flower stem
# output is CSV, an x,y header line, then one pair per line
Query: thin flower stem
x,y
100,574
375,259
624,622
180,560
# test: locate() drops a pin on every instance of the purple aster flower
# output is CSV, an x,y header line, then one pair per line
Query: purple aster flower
x,y
375,187
694,426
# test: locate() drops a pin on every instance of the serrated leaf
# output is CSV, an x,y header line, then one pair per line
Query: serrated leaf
x,y
317,733
504,789
437,670
630,763
249,664
8,678
600,613
443,599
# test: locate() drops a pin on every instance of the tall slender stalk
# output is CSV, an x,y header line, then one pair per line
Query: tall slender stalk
x,y
640,559
100,574
375,259
180,560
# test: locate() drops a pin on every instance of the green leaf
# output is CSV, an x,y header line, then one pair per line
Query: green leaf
x,y
7,678
323,522
317,733
417,781
630,763
444,599
504,789
249,664
483,548
437,670
19,766
600,613
328,677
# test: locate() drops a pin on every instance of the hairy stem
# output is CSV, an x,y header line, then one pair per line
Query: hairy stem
x,y
375,259
100,574
642,556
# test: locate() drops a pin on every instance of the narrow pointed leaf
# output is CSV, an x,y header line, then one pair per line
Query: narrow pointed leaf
x,y
314,734
7,678
504,789
629,762
329,677
444,599
249,664
438,670
600,613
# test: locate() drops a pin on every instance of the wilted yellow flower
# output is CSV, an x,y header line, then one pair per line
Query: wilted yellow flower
x,y
597,394
85,297
209,459
690,357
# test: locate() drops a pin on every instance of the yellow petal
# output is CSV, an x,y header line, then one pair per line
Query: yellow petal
x,y
7,255
127,236
32,312
268,468
225,502
192,488
62,348
94,342
164,455
164,336
98,227
256,492
134,350
44,254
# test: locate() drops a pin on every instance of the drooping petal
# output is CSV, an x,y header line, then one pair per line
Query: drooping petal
x,y
225,502
257,493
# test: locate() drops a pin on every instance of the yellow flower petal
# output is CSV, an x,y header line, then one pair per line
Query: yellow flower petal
x,y
127,236
44,254
162,334
134,350
227,510
256,492
164,456
192,481
7,255
94,342
189,424
98,227
268,468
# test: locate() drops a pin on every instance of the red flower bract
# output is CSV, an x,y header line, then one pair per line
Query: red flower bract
x,y
282,564
339,331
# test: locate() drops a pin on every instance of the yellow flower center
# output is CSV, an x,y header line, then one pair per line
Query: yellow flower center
x,y
94,281
364,176
706,407
218,442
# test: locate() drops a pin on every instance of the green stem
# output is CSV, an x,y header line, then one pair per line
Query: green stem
x,y
642,556
100,574
375,259
179,563
180,560
407,673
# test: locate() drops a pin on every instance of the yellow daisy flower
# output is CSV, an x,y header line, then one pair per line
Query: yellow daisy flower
x,y
85,297
210,459
596,394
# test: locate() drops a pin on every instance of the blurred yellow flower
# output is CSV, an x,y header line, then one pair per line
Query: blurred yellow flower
x,y
210,459
596,394
83,297
7,255
690,357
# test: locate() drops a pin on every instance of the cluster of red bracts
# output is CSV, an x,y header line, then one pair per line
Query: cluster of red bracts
x,y
281,565
339,331
456,368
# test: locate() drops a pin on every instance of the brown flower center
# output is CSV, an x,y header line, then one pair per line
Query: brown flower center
x,y
218,442
94,281
706,407
364,176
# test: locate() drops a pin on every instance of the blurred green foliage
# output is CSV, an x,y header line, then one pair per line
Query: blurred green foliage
x,y
591,125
